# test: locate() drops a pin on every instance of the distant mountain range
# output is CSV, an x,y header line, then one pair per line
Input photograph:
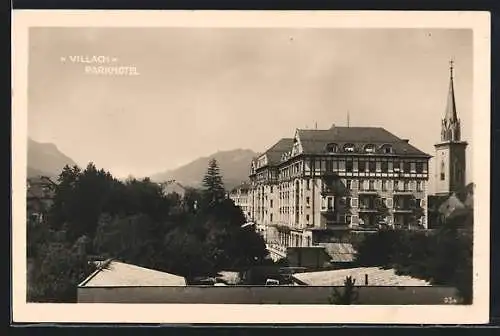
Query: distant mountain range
x,y
46,159
234,166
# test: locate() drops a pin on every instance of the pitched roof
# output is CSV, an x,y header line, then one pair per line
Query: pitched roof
x,y
451,109
119,274
376,277
340,252
315,141
274,153
243,187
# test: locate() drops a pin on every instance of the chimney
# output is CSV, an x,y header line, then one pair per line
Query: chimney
x,y
333,126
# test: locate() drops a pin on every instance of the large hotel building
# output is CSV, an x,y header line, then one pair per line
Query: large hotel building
x,y
305,188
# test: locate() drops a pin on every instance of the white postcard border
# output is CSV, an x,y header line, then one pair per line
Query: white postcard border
x,y
479,22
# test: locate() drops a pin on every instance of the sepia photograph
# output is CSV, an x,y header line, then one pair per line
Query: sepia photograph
x,y
252,162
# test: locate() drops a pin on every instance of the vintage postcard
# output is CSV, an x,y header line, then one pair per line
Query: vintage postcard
x,y
251,167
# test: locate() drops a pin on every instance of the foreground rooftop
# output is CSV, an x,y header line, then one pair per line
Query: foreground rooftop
x,y
376,277
119,274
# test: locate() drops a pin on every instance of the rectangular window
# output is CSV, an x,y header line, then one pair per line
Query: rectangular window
x,y
354,202
330,202
442,176
307,200
349,166
354,219
272,189
307,218
406,186
371,185
342,165
348,219
271,217
419,186
397,166
348,184
271,203
413,167
384,166
372,166
329,166
362,166
419,167
406,167
384,185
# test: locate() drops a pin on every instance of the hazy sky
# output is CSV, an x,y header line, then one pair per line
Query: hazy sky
x,y
204,90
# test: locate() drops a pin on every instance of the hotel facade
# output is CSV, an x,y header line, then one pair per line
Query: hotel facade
x,y
305,189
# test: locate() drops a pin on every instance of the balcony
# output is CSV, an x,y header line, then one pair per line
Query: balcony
x,y
336,226
367,191
406,192
367,209
403,209
327,210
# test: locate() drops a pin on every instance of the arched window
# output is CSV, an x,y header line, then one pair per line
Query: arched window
x,y
349,148
332,148
386,149
369,148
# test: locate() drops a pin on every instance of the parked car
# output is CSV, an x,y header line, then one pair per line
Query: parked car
x,y
272,282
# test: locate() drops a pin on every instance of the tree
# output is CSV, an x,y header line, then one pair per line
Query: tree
x,y
134,239
59,268
348,296
376,249
213,184
79,200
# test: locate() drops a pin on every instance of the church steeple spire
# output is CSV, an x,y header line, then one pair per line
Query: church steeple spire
x,y
450,151
450,127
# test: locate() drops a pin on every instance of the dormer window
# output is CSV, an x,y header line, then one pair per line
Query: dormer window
x,y
332,148
369,148
386,149
349,148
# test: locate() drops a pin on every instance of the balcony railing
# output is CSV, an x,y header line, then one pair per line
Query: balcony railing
x,y
403,208
367,191
403,191
327,210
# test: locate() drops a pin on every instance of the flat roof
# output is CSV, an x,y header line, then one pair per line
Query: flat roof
x,y
119,274
376,277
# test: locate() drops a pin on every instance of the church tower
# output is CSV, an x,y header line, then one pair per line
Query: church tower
x,y
450,151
